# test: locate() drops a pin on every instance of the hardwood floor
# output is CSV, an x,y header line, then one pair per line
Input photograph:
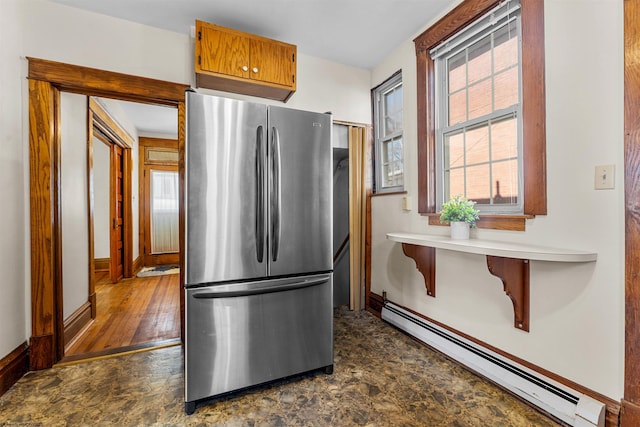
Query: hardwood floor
x,y
131,314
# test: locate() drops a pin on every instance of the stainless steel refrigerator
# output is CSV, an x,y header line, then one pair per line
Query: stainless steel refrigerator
x,y
258,292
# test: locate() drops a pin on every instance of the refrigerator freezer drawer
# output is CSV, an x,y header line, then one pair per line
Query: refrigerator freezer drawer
x,y
245,334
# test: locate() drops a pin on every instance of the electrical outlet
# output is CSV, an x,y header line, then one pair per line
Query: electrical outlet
x,y
604,177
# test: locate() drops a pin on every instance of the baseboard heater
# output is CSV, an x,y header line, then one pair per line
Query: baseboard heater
x,y
567,405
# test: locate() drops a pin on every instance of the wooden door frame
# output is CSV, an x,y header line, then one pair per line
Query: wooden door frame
x,y
46,80
146,144
105,127
630,412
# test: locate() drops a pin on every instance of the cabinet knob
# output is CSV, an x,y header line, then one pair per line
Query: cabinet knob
x,y
255,69
245,68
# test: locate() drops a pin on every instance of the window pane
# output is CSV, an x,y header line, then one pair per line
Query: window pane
x,y
454,150
479,66
478,183
455,183
506,88
480,99
457,107
457,67
477,146
505,182
389,125
505,51
504,139
164,211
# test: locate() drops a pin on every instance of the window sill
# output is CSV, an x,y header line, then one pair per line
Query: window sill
x,y
389,193
493,222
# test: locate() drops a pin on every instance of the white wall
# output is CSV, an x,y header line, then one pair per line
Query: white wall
x,y
74,202
577,310
41,29
101,199
14,175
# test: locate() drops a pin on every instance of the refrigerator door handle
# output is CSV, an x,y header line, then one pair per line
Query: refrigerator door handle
x,y
260,291
259,194
276,198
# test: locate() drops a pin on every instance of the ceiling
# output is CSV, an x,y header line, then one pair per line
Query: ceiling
x,y
358,33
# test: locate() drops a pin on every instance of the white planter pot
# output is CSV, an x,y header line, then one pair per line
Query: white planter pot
x,y
459,230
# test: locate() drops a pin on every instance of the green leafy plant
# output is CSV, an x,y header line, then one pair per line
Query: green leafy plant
x,y
459,209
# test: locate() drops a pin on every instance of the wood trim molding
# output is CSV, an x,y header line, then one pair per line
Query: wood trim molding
x,y
92,81
631,402
110,126
13,367
137,264
75,323
145,141
375,304
44,256
494,222
533,101
46,79
629,414
613,407
101,264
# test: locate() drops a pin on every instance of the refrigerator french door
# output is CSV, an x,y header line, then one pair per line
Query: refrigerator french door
x,y
258,245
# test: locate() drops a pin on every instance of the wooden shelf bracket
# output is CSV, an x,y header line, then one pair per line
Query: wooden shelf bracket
x,y
425,258
514,274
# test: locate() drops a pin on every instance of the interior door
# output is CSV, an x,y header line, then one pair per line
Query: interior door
x,y
117,215
161,244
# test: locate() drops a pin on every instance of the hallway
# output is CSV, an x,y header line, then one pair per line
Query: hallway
x,y
131,314
382,378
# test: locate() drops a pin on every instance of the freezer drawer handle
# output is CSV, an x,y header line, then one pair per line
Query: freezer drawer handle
x,y
262,291
259,195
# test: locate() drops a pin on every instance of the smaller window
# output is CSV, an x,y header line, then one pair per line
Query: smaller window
x,y
389,150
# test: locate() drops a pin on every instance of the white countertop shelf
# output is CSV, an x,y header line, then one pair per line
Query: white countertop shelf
x,y
495,248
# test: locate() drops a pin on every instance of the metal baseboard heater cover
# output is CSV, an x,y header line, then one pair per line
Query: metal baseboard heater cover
x,y
567,405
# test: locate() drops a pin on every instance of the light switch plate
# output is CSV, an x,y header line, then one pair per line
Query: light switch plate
x,y
605,177
406,203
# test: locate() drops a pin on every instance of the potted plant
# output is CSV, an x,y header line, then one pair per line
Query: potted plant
x,y
461,214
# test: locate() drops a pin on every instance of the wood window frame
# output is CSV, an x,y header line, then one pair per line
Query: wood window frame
x,y
46,80
533,111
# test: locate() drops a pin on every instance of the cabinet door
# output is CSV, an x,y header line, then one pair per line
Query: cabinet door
x,y
224,52
273,62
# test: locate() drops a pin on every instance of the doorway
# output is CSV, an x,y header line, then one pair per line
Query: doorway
x,y
350,151
47,80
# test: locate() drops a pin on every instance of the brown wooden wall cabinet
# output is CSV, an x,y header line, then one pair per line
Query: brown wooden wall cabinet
x,y
233,61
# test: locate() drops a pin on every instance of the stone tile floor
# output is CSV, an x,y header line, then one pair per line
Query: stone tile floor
x,y
382,378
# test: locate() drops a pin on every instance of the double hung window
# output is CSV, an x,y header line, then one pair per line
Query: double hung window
x,y
477,149
387,106
478,116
